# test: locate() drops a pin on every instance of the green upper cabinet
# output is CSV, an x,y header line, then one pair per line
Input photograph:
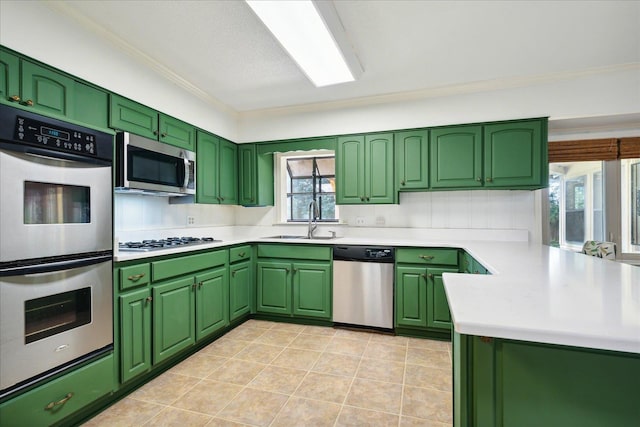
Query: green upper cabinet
x,y
507,155
47,91
364,169
132,117
412,160
91,105
217,173
9,77
456,157
514,153
255,177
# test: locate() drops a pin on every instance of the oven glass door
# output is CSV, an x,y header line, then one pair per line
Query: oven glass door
x,y
52,318
53,207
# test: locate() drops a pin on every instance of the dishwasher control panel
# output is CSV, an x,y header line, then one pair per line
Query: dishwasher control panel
x,y
364,253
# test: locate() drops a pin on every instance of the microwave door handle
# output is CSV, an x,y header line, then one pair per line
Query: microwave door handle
x,y
187,172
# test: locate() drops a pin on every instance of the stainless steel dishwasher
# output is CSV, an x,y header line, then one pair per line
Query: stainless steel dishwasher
x,y
363,286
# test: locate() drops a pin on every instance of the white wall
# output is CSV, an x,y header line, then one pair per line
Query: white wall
x,y
613,92
41,32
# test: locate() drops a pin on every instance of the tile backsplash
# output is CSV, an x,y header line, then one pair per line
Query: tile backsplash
x,y
478,209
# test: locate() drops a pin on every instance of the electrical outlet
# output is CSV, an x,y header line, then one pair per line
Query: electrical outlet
x,y
380,220
191,220
359,221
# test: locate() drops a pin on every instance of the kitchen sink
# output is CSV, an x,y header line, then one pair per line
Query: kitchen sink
x,y
290,236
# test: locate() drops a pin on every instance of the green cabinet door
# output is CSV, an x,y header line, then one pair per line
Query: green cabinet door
x,y
127,115
247,182
135,334
173,317
513,154
350,170
207,168
91,105
176,132
273,287
240,289
412,160
312,289
378,167
411,296
228,173
212,302
438,315
47,91
9,77
456,157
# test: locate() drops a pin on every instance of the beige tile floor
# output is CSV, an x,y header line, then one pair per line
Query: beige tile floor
x,y
278,374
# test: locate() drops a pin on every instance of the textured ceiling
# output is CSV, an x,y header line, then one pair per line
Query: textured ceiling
x,y
221,48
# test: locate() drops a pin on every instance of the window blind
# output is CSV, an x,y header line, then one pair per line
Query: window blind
x,y
594,149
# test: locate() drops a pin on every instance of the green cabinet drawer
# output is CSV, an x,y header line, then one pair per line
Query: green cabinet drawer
x,y
52,402
134,276
294,252
239,253
187,264
427,256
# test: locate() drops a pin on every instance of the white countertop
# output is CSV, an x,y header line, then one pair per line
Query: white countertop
x,y
535,293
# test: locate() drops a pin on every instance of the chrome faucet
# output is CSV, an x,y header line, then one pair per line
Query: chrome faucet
x,y
314,213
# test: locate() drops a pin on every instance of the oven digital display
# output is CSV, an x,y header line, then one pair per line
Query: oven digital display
x,y
55,133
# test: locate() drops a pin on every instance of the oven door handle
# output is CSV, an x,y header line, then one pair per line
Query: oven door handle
x,y
48,267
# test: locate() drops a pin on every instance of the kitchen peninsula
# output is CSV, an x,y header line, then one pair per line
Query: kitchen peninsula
x,y
549,337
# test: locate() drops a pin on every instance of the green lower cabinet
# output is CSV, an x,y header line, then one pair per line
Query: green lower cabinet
x,y
173,317
438,315
212,308
274,287
135,333
300,289
411,296
60,398
240,289
312,290
506,383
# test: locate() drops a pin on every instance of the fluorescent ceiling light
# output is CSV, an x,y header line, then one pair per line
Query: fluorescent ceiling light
x,y
303,33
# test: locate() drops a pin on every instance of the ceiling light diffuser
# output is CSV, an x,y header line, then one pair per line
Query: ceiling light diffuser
x,y
304,34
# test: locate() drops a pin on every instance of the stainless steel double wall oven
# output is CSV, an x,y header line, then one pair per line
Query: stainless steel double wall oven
x,y
55,246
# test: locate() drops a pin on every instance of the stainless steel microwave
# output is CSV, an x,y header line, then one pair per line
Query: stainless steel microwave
x,y
150,167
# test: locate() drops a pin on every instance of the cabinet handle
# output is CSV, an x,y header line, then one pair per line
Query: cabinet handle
x,y
222,199
200,285
241,254
287,270
155,132
148,299
163,135
431,276
136,277
62,401
367,198
426,257
295,270
233,273
14,98
362,198
193,286
479,179
489,179
486,340
28,103
424,276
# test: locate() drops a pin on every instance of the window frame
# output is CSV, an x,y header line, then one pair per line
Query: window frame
x,y
281,193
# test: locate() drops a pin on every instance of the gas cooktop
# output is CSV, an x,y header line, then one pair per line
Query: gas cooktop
x,y
169,242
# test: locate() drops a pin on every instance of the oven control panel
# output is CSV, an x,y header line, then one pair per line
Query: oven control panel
x,y
43,134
